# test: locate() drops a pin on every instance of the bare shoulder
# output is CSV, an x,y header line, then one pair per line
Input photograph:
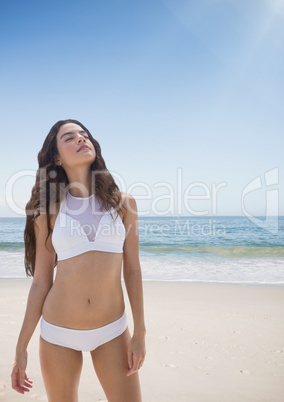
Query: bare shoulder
x,y
128,203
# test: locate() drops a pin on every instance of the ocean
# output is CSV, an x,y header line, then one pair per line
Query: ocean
x,y
184,248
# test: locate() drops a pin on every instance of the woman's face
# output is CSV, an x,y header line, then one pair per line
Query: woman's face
x,y
74,146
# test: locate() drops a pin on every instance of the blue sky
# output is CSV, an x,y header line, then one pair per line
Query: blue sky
x,y
178,93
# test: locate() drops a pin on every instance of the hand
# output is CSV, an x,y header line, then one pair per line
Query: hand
x,y
136,354
20,382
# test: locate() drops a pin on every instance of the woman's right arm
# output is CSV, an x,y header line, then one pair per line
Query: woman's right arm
x,y
42,282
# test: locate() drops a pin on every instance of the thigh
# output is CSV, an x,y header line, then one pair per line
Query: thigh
x,y
110,363
61,368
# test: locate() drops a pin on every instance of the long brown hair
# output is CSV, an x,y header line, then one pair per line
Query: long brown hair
x,y
51,186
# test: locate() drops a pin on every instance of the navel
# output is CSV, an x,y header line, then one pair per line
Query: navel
x,y
89,301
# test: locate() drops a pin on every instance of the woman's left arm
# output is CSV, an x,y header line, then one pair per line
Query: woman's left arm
x,y
133,282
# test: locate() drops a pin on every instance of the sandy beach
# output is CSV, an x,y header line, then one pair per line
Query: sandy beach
x,y
205,343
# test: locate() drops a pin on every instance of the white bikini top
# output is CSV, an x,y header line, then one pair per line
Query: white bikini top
x,y
81,225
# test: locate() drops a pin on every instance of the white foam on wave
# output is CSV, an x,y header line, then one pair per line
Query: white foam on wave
x,y
12,264
231,271
176,268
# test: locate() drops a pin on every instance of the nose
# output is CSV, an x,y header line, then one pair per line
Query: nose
x,y
81,138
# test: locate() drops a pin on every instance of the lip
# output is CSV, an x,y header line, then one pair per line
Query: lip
x,y
82,147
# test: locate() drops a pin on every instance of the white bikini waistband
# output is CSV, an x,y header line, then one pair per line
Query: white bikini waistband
x,y
82,339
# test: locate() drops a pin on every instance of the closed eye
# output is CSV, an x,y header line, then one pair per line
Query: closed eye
x,y
72,137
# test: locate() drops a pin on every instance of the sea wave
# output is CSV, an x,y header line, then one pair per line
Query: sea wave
x,y
227,251
11,246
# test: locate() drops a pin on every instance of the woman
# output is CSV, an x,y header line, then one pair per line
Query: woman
x,y
78,220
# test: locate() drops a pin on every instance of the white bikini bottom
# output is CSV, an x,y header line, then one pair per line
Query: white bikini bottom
x,y
82,339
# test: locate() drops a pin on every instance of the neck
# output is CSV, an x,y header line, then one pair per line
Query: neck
x,y
80,184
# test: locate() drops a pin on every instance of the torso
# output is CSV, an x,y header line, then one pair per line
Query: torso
x,y
87,291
